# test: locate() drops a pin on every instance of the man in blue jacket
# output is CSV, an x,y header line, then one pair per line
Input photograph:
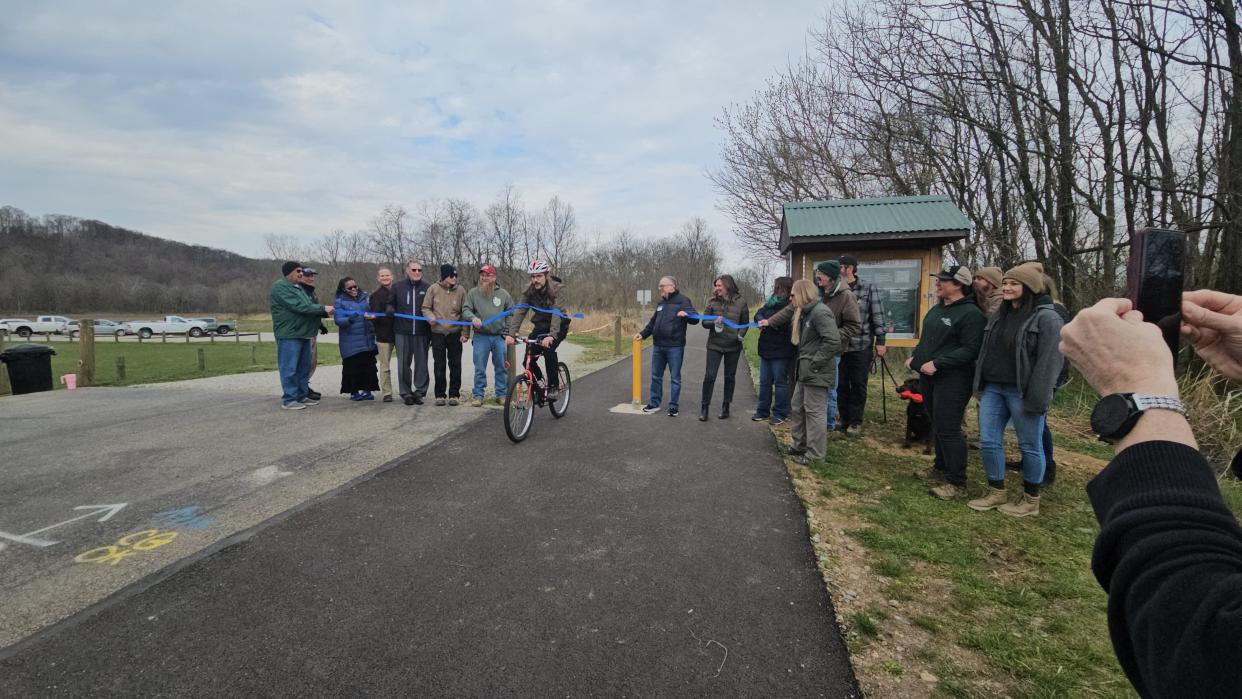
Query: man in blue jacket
x,y
667,328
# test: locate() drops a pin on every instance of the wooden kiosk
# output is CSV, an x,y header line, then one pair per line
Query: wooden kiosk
x,y
898,242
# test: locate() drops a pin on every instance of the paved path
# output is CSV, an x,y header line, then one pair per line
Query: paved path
x,y
608,554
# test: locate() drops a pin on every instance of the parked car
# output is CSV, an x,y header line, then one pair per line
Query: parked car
x,y
43,324
220,327
172,325
102,327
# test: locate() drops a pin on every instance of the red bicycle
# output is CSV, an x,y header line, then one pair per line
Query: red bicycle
x,y
528,392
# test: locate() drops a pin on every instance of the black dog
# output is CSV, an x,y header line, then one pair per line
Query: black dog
x,y
918,424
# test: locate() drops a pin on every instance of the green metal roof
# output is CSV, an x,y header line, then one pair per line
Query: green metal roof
x,y
934,215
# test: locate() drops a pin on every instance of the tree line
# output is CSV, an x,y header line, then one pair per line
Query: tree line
x,y
1056,126
67,265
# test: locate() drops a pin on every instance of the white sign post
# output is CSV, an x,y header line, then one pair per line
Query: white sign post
x,y
644,298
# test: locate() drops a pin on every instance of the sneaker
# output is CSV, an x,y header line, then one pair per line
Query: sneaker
x,y
366,395
441,401
796,451
355,396
313,395
758,418
454,400
309,402
948,491
777,421
649,409
672,412
801,459
853,431
388,398
418,400
408,400
292,406
476,402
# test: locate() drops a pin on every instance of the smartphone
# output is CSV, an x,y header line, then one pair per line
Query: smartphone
x,y
1154,279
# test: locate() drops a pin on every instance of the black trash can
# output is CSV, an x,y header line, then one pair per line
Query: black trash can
x,y
30,367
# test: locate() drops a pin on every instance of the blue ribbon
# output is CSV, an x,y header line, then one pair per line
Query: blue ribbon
x,y
726,321
498,316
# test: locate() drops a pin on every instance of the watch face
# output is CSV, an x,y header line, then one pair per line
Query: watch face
x,y
1110,415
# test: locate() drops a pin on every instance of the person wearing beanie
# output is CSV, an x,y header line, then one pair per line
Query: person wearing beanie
x,y
442,303
852,372
295,320
987,285
836,295
1019,362
945,360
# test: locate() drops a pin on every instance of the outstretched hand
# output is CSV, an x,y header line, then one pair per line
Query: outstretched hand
x,y
1212,321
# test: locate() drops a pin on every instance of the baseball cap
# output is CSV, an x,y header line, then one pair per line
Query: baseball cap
x,y
488,269
956,273
848,261
309,272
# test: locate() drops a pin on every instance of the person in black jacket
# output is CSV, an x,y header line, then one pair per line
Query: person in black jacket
x,y
667,328
413,336
1169,552
775,353
384,337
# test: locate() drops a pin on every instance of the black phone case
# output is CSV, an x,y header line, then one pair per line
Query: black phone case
x,y
1154,279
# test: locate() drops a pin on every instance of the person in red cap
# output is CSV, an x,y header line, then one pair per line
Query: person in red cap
x,y
484,302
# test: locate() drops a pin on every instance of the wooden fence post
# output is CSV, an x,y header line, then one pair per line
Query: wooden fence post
x,y
253,360
202,360
86,354
164,337
120,367
616,336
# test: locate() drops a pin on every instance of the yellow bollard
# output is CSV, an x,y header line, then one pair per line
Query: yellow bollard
x,y
636,388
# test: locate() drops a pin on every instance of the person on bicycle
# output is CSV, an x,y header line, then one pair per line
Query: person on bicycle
x,y
541,293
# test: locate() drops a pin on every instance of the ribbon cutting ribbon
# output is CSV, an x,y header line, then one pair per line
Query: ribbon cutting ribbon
x,y
498,316
726,321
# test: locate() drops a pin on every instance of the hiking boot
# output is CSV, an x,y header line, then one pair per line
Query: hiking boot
x,y
1028,506
477,402
724,412
948,491
703,414
994,499
853,431
649,409
833,434
292,406
931,473
441,401
454,400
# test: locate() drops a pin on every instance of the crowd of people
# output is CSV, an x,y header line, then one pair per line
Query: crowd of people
x,y
415,318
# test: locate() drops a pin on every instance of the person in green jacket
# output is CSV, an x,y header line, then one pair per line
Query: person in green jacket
x,y
295,321
818,341
484,302
945,359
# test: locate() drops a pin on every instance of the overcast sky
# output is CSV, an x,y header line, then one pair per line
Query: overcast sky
x,y
216,123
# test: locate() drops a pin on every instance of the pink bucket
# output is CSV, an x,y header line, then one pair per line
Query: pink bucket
x,y
70,381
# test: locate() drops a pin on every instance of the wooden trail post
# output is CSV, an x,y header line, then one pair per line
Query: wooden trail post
x,y
253,360
616,336
86,353
120,367
202,360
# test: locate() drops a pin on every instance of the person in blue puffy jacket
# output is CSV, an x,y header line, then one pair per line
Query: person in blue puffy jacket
x,y
357,340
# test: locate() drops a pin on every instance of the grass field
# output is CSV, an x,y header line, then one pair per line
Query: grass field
x,y
986,605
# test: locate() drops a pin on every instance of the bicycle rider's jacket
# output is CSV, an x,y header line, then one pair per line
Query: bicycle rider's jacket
x,y
665,327
544,323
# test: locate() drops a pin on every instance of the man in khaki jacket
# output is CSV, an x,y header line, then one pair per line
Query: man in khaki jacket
x,y
443,303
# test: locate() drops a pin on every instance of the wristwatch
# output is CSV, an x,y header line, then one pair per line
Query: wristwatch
x,y
1117,413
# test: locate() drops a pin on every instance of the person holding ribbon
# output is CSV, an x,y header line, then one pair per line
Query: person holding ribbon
x,y
540,297
724,341
818,339
357,340
667,330
486,302
412,335
442,309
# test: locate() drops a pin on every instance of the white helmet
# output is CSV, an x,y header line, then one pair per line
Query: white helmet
x,y
538,267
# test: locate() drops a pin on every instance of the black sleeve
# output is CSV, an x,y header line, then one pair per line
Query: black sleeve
x,y
1169,554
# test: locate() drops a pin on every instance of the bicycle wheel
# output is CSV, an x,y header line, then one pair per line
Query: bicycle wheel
x,y
560,405
519,412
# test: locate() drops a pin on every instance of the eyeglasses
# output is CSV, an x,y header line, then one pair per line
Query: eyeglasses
x,y
351,288
418,269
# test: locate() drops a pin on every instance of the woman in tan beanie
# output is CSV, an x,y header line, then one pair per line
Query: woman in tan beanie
x,y
987,285
1018,367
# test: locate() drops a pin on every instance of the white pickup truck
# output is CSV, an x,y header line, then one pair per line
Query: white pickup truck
x,y
172,325
42,324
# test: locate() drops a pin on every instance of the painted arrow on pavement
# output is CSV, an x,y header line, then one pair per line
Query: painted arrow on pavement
x,y
108,511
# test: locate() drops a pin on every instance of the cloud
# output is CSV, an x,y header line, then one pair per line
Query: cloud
x,y
219,125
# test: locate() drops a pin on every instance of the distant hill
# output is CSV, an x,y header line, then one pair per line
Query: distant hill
x,y
61,264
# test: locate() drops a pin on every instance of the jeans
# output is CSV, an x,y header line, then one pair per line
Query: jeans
x,y
492,346
293,359
998,404
446,351
945,396
669,357
412,347
852,376
832,394
806,424
773,375
730,375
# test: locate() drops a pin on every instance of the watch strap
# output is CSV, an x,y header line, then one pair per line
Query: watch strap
x,y
1148,401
